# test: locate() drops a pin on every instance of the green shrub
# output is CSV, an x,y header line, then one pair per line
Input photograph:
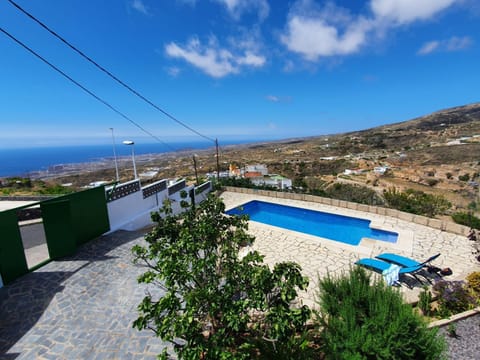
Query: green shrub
x,y
55,190
464,177
467,219
361,319
424,301
416,202
214,304
354,193
473,282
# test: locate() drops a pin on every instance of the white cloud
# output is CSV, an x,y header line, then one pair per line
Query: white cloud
x,y
453,44
236,8
273,98
428,47
315,37
407,11
315,31
458,43
140,7
212,59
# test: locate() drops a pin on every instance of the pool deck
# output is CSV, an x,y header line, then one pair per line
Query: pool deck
x,y
319,257
83,306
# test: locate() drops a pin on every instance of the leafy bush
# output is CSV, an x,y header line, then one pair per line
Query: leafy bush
x,y
467,219
242,182
214,304
354,193
416,202
473,281
365,320
453,297
464,177
432,182
424,301
55,190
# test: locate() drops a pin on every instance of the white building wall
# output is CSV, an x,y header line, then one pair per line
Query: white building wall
x,y
262,169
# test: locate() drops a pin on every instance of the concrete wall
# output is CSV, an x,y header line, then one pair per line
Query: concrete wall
x,y
132,211
421,220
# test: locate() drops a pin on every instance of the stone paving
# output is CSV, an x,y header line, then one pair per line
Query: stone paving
x,y
79,308
319,257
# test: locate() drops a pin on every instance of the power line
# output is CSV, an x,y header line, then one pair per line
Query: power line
x,y
129,88
83,87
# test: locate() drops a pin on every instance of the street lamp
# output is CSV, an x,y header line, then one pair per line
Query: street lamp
x,y
130,142
115,157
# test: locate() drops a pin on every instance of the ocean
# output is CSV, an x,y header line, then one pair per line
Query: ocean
x,y
22,161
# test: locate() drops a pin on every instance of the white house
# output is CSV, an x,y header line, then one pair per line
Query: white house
x,y
380,170
274,180
260,168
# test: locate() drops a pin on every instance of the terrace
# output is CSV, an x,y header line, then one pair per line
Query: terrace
x,y
83,305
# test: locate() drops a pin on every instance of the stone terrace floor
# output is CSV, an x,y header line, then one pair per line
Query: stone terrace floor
x,y
81,307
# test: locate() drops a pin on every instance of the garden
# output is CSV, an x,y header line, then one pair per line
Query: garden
x,y
217,305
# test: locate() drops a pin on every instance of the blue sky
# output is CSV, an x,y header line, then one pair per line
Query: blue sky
x,y
255,69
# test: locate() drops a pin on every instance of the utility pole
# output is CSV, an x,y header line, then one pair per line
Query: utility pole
x,y
218,161
195,167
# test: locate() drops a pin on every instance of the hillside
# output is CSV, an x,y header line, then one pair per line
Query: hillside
x,y
438,153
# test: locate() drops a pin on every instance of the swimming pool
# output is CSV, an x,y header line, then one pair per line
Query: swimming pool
x,y
341,228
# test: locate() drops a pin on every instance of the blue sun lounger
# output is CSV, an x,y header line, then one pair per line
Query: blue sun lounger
x,y
404,261
381,266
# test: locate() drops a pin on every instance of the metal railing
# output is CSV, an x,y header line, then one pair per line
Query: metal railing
x,y
176,187
118,192
154,188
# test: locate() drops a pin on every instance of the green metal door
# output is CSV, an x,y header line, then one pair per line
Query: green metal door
x,y
12,255
57,222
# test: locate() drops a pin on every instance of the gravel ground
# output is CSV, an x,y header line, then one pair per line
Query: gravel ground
x,y
466,346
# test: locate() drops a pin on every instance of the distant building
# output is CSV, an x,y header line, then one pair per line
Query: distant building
x,y
257,168
234,171
274,180
253,174
380,170
353,171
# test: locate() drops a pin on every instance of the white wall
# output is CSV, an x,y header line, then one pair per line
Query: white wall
x,y
132,212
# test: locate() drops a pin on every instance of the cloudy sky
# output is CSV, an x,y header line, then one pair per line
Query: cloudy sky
x,y
255,69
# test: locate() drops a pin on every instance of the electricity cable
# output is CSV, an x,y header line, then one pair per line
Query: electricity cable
x,y
129,88
84,88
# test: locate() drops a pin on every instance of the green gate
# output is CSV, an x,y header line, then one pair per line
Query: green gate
x,y
12,256
68,221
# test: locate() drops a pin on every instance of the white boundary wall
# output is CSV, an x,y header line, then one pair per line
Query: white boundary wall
x,y
132,211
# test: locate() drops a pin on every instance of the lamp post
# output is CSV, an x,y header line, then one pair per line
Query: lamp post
x,y
115,156
131,143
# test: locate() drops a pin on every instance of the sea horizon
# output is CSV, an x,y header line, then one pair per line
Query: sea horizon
x,y
27,160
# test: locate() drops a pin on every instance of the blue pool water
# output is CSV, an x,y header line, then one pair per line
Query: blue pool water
x,y
345,229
